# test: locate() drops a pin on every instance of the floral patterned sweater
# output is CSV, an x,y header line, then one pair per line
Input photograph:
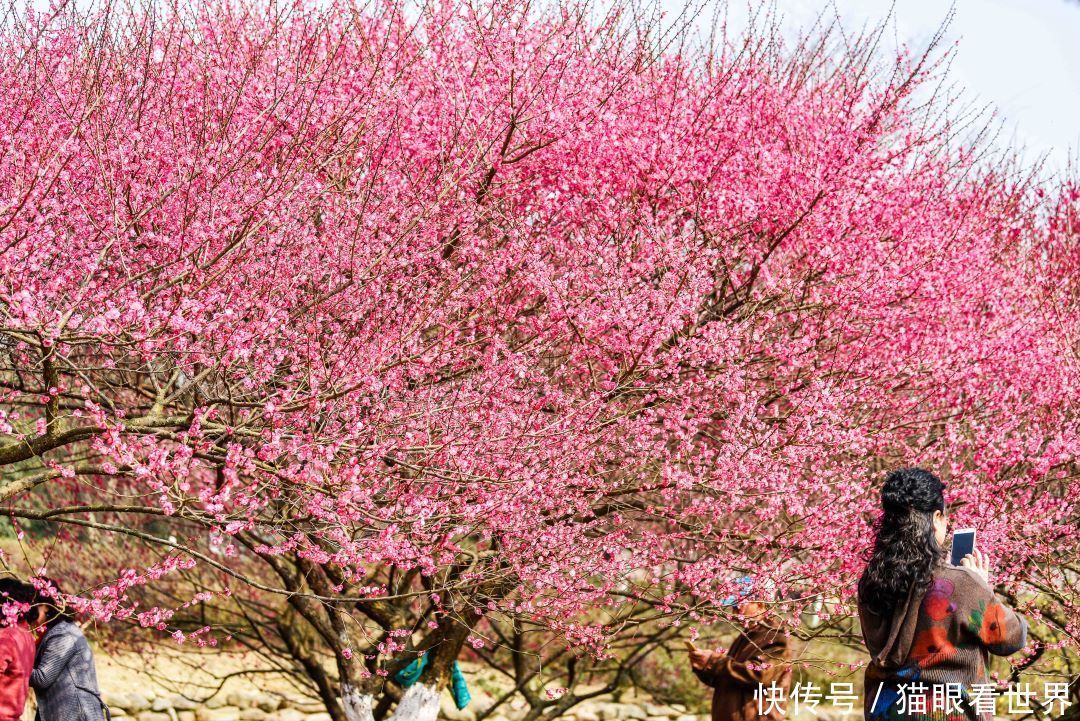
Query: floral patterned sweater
x,y
936,647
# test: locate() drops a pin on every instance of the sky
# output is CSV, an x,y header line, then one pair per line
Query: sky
x,y
1019,57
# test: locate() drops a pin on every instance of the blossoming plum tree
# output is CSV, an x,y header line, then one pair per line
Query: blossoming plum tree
x,y
403,325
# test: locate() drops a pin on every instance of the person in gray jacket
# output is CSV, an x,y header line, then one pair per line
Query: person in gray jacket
x,y
64,676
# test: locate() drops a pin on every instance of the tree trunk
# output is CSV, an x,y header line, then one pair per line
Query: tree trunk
x,y
420,703
356,703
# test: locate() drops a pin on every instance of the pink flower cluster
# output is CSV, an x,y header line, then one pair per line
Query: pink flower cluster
x,y
510,293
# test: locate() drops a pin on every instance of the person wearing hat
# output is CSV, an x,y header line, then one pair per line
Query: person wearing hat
x,y
741,678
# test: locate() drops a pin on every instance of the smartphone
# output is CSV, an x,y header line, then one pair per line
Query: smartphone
x,y
963,543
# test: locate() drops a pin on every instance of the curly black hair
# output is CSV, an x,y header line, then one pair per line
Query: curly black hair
x,y
905,550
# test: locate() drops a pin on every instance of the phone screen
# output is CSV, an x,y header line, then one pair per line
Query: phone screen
x,y
963,543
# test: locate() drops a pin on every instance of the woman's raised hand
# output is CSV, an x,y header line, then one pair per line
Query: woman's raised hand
x,y
699,657
977,561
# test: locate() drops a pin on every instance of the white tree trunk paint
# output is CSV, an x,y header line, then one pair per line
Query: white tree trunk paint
x,y
357,706
420,703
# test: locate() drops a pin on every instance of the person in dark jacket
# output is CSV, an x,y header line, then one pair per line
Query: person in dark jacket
x,y
64,676
759,659
929,626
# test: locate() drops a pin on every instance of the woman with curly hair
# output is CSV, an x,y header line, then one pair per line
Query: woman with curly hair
x,y
929,625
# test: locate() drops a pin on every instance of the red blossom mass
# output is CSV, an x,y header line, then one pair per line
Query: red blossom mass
x,y
533,313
